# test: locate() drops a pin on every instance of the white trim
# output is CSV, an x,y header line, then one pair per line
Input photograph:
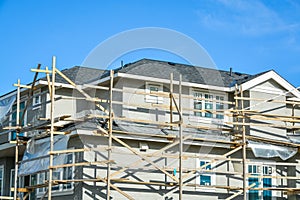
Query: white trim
x,y
2,181
271,75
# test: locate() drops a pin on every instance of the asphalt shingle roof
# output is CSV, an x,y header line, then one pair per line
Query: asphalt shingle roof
x,y
192,74
161,69
79,75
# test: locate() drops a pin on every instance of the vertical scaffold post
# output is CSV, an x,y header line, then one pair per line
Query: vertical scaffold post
x,y
244,145
17,142
180,139
52,94
110,121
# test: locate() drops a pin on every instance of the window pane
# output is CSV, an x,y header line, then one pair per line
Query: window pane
x,y
267,183
208,105
205,180
1,179
253,194
197,104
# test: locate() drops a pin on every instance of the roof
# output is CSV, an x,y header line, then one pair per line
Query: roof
x,y
190,73
79,75
160,69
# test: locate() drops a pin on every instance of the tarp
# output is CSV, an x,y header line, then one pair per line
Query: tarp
x,y
264,150
5,106
36,157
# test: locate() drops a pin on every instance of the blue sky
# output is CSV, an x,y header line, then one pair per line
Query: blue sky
x,y
250,36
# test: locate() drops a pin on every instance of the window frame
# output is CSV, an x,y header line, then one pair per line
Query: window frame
x,y
212,175
2,180
261,172
204,115
13,118
153,98
36,94
61,187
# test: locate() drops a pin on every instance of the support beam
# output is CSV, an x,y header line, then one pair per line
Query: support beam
x,y
110,127
52,128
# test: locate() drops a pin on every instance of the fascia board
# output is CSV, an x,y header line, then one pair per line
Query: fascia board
x,y
271,75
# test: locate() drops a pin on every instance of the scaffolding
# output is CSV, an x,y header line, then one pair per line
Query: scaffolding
x,y
176,179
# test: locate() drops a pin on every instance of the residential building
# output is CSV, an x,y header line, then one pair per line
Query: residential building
x,y
152,130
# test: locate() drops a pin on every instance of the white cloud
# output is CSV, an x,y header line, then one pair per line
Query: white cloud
x,y
243,17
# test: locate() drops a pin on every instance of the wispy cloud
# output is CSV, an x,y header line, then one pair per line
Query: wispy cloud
x,y
244,17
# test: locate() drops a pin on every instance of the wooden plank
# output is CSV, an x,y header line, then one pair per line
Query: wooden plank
x,y
82,164
69,151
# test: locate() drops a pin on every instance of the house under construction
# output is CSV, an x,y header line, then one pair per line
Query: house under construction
x,y
150,130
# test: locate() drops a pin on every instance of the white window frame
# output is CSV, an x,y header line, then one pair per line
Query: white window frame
x,y
12,181
36,96
202,117
260,166
211,174
2,175
61,190
153,98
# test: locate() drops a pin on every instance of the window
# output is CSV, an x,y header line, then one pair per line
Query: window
x,y
154,88
1,179
209,103
198,103
65,173
205,177
36,98
12,181
13,121
260,170
219,106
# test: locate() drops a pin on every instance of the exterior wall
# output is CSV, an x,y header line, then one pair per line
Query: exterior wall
x,y
160,112
269,90
143,171
8,163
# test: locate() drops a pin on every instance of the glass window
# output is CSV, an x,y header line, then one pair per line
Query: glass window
x,y
36,98
205,179
66,173
1,179
198,103
255,170
14,119
153,88
208,105
219,106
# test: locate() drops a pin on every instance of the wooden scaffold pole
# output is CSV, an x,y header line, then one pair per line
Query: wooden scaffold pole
x,y
17,142
244,150
110,133
52,95
180,139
